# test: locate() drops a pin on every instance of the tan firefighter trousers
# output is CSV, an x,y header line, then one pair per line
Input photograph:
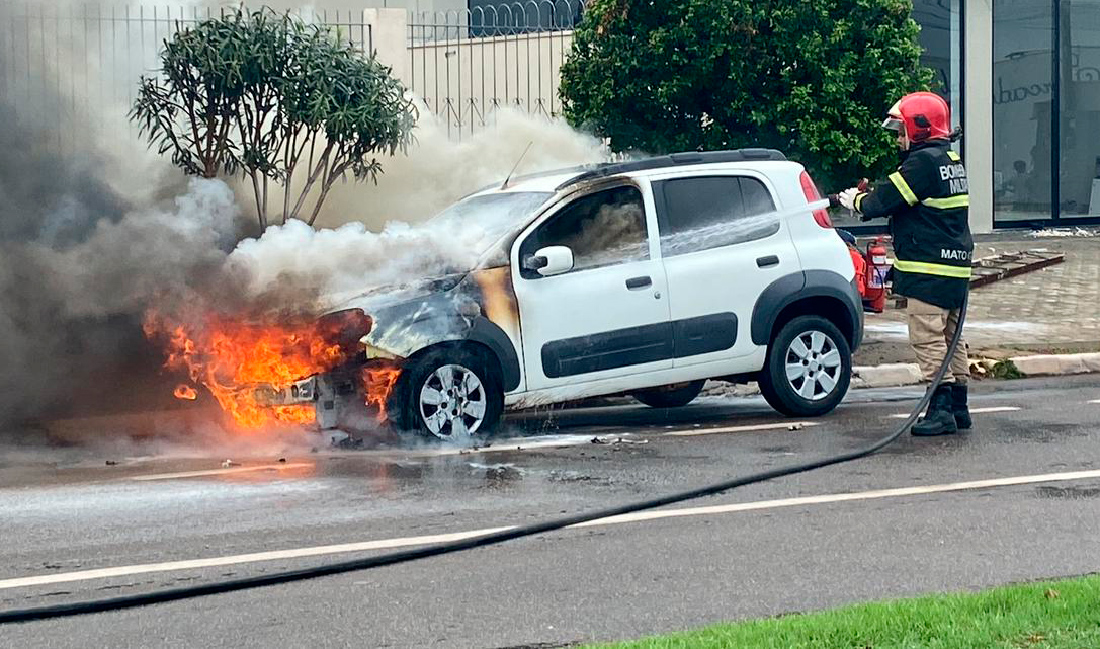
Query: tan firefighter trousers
x,y
930,332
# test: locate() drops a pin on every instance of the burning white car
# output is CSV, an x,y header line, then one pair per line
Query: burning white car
x,y
646,278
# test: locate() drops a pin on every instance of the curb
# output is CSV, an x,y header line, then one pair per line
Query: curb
x,y
888,375
1058,364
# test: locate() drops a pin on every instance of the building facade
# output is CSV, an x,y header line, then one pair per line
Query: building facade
x,y
1023,80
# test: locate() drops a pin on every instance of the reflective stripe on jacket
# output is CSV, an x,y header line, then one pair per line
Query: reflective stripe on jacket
x,y
928,198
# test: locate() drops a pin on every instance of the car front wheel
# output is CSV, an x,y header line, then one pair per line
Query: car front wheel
x,y
452,394
808,368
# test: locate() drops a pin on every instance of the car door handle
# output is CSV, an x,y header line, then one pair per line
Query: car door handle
x,y
767,262
637,283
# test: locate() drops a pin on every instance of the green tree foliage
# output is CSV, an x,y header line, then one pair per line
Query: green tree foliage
x,y
811,78
276,99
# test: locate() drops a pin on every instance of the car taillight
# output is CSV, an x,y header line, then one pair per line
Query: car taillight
x,y
813,196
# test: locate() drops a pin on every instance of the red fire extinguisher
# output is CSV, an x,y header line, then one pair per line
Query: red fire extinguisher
x,y
876,275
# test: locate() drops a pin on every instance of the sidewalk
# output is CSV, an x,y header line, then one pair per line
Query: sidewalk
x,y
1054,310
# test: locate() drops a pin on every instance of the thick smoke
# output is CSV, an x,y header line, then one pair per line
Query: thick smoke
x,y
78,266
96,230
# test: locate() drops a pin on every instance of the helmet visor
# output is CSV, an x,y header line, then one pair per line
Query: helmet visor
x,y
892,124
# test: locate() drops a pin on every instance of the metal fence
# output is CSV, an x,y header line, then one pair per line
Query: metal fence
x,y
72,66
466,64
64,67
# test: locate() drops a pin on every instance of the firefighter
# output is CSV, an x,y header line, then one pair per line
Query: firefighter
x,y
927,199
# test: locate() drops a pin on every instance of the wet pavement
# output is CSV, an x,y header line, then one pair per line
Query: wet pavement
x,y
763,555
1052,309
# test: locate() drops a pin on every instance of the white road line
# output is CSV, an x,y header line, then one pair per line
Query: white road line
x,y
498,446
738,429
836,498
210,472
973,411
193,564
1095,401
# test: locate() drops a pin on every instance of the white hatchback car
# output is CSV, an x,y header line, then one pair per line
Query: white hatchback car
x,y
644,278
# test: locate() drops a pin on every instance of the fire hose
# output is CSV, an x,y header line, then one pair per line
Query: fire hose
x,y
404,556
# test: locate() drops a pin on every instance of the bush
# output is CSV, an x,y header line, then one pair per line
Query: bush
x,y
813,79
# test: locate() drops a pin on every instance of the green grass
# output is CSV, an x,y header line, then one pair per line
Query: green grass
x,y
1045,615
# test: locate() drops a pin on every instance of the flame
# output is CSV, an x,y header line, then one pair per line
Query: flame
x,y
378,382
240,362
185,392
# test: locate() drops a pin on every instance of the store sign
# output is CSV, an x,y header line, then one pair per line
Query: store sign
x,y
1010,95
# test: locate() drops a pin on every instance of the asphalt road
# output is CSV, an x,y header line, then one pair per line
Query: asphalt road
x,y
916,518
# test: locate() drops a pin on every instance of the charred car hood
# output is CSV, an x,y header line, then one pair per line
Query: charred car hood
x,y
384,297
409,317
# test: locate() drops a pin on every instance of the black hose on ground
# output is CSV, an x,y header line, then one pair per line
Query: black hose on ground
x,y
227,586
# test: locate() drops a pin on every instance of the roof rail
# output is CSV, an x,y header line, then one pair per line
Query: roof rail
x,y
535,175
674,160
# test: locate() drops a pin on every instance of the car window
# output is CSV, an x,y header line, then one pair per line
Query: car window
x,y
603,228
713,211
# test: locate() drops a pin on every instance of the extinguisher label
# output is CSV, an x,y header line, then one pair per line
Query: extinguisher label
x,y
878,278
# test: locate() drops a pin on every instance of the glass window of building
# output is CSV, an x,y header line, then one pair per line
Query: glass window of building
x,y
1023,92
1079,130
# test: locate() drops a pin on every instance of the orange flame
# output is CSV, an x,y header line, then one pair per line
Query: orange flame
x,y
378,382
185,392
241,362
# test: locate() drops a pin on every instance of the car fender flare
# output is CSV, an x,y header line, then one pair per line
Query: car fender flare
x,y
802,285
488,333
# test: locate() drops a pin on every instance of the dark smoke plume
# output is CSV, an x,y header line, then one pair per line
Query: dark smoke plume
x,y
79,264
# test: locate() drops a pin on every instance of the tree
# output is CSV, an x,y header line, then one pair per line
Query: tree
x,y
813,79
275,99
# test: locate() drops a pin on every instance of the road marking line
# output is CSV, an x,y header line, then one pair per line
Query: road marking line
x,y
200,474
973,411
82,575
836,498
169,566
1095,401
738,429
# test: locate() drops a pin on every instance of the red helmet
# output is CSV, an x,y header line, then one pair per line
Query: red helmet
x,y
925,116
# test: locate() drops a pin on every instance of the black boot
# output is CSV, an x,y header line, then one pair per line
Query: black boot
x,y
939,420
958,406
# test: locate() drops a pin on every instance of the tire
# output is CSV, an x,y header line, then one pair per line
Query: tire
x,y
814,386
423,393
670,396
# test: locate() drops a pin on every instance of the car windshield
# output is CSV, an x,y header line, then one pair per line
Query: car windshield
x,y
490,216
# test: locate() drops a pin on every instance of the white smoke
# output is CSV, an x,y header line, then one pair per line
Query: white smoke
x,y
385,240
439,168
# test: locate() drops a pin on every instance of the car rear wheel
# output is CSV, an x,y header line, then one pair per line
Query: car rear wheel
x,y
670,396
451,394
808,368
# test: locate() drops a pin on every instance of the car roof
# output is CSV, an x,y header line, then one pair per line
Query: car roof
x,y
557,180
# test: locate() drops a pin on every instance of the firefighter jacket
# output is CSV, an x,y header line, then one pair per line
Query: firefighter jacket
x,y
928,200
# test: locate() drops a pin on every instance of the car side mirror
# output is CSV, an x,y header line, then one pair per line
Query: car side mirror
x,y
551,260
